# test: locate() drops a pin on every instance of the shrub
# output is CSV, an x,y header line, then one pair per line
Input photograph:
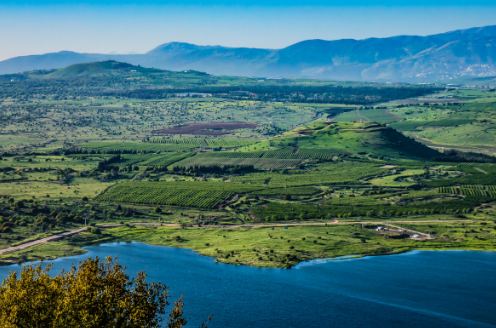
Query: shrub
x,y
96,294
96,231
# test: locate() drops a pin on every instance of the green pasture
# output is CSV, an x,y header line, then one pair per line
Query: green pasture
x,y
394,180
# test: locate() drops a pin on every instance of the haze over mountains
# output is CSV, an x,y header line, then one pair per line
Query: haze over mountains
x,y
470,52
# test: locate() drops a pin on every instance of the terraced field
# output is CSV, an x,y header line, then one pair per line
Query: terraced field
x,y
258,163
203,195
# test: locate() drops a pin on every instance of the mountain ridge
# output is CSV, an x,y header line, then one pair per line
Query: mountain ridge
x,y
406,58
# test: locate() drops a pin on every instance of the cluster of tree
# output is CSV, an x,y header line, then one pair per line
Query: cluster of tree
x,y
155,168
106,163
95,294
6,169
6,227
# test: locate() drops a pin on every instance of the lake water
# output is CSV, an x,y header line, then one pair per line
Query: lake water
x,y
417,289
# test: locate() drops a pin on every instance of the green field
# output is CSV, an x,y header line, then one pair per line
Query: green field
x,y
73,154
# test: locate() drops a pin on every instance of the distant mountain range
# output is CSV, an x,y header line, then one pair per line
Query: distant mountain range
x,y
456,54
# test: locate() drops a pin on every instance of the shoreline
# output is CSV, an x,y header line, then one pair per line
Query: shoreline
x,y
302,263
264,245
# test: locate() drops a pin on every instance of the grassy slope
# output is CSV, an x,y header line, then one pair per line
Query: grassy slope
x,y
353,138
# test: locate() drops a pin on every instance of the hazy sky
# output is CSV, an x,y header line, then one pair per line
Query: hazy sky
x,y
40,26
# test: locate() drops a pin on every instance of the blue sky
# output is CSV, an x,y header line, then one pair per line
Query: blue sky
x,y
104,26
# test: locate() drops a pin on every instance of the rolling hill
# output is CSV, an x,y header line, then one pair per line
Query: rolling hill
x,y
91,69
105,69
370,138
461,53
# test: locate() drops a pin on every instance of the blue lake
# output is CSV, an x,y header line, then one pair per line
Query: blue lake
x,y
417,289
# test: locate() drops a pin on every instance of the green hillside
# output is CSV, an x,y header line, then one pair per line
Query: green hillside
x,y
108,68
97,68
352,138
113,68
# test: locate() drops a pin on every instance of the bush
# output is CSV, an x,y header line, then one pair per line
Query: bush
x,y
96,294
96,231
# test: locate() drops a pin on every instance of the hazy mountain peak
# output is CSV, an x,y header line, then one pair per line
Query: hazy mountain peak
x,y
452,54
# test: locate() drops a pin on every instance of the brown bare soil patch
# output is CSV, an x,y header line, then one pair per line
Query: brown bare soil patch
x,y
213,129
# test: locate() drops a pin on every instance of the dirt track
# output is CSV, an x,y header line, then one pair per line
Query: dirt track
x,y
359,115
393,115
73,232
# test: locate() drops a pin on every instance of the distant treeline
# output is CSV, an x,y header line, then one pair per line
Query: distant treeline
x,y
305,94
83,151
111,86
106,164
467,157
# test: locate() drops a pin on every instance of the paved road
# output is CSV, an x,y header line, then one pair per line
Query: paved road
x,y
41,241
335,222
